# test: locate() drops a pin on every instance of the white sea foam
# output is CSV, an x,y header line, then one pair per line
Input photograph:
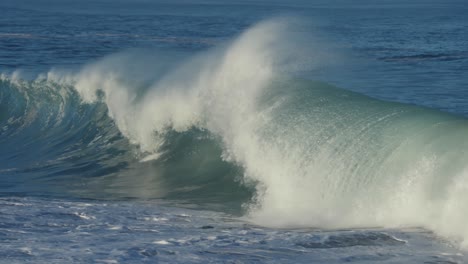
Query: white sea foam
x,y
161,242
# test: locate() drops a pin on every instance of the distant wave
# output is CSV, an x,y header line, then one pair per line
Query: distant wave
x,y
234,126
155,38
428,56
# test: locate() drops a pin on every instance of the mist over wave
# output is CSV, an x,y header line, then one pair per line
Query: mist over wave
x,y
235,122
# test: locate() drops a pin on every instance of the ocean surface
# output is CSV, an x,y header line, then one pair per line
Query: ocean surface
x,y
233,132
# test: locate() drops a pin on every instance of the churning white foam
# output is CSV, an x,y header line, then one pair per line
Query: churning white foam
x,y
215,91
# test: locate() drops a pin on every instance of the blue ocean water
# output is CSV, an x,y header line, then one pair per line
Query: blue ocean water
x,y
233,132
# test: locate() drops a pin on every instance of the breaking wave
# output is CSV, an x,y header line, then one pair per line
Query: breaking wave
x,y
235,127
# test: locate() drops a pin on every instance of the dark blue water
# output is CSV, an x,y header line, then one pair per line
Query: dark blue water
x,y
206,131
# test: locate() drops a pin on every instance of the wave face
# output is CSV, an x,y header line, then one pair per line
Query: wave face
x,y
233,126
47,135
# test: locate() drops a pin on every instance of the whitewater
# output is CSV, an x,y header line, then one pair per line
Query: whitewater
x,y
230,153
